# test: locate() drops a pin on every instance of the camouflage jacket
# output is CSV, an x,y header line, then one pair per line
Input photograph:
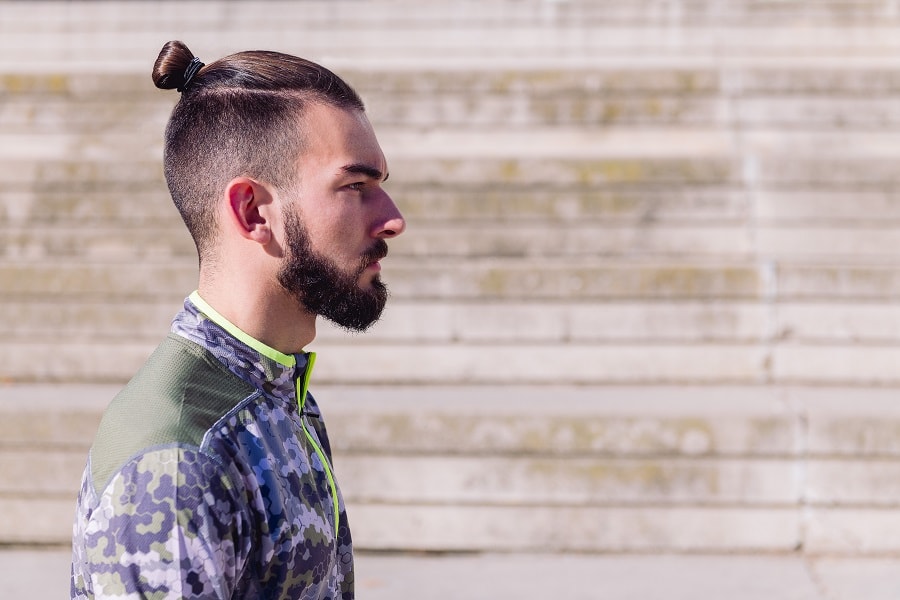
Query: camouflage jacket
x,y
209,479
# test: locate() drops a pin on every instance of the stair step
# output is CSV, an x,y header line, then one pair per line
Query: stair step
x,y
816,322
463,241
74,95
503,99
320,13
482,322
136,43
442,203
627,529
499,363
118,244
385,478
872,172
553,204
857,531
106,361
435,278
503,363
535,481
492,278
553,144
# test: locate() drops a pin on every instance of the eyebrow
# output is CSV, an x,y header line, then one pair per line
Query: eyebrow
x,y
367,170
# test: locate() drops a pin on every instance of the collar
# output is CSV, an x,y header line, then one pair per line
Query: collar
x,y
283,376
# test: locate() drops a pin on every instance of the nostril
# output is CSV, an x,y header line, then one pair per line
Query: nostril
x,y
391,227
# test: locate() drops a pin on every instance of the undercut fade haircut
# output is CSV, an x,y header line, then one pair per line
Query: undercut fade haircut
x,y
238,116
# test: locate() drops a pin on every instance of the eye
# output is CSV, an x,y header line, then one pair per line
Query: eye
x,y
356,187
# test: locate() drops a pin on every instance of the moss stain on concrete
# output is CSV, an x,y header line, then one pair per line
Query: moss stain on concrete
x,y
608,171
15,83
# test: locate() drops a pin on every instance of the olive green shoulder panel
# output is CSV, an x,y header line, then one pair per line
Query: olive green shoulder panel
x,y
179,393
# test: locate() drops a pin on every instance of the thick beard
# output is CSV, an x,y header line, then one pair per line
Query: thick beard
x,y
323,289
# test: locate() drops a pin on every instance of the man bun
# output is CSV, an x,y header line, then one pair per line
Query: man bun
x,y
171,69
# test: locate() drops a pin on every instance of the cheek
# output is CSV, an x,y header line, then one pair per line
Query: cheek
x,y
337,240
337,227
323,223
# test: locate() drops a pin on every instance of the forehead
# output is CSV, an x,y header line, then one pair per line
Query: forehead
x,y
337,137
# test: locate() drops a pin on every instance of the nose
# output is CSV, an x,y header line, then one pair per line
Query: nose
x,y
391,223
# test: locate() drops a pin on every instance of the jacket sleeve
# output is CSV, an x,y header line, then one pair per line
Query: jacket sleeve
x,y
168,525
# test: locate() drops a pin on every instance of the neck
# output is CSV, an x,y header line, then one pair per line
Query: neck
x,y
273,317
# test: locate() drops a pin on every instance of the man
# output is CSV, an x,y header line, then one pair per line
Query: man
x,y
211,475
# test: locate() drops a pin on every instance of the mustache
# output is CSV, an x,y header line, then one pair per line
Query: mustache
x,y
376,252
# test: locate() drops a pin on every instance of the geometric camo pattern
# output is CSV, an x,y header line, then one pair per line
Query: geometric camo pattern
x,y
247,513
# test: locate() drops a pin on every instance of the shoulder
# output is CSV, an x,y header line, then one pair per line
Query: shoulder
x,y
173,400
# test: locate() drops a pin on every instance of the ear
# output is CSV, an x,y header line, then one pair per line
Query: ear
x,y
248,203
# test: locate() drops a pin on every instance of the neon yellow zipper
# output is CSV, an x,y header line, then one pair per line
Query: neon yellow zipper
x,y
288,360
301,402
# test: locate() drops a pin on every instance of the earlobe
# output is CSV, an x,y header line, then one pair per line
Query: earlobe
x,y
247,204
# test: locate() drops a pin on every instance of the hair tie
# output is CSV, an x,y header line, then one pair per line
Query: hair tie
x,y
189,73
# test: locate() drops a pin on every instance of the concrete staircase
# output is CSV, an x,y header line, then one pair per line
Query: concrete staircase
x,y
647,299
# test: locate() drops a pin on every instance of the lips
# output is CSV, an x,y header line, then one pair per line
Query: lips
x,y
371,258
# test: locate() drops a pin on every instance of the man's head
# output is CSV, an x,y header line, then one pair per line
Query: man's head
x,y
258,125
238,116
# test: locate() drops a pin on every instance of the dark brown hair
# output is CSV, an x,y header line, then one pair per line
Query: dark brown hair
x,y
238,116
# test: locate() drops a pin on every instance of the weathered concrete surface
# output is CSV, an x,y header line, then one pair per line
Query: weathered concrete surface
x,y
629,197
541,468
43,575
